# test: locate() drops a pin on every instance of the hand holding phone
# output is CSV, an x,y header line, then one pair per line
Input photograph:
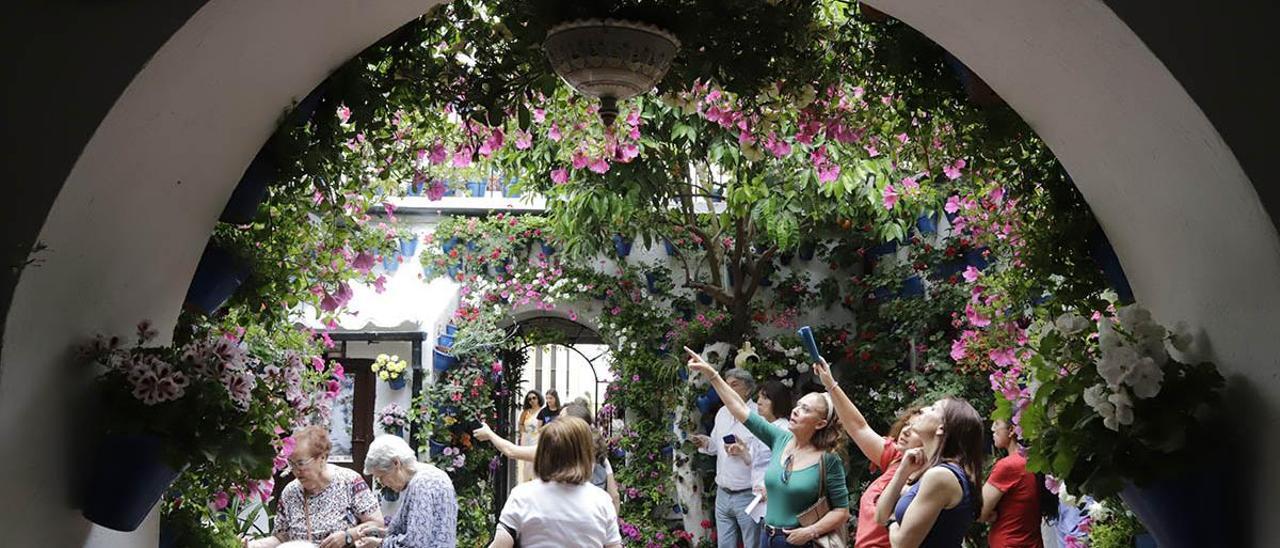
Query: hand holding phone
x,y
730,439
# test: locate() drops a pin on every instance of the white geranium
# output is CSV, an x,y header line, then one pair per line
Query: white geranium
x,y
1150,338
1124,407
787,382
1071,323
1145,378
1108,338
1182,338
780,373
1096,397
802,367
1133,317
1098,511
1116,363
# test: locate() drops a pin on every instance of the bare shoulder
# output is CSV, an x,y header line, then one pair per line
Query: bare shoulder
x,y
941,481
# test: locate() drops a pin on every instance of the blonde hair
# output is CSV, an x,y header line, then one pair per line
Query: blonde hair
x,y
565,451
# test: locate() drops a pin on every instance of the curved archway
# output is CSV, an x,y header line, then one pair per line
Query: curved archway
x,y
179,136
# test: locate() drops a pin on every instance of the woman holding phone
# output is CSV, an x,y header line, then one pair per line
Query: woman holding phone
x,y
802,457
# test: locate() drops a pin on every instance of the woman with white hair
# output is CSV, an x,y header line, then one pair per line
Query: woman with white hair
x,y
428,514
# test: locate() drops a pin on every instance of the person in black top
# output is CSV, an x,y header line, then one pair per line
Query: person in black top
x,y
549,412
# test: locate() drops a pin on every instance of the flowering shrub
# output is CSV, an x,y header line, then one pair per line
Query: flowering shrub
x,y
389,368
1107,404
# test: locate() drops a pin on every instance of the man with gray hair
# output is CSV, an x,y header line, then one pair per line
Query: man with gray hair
x,y
729,442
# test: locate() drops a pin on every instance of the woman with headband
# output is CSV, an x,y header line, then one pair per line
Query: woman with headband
x,y
803,468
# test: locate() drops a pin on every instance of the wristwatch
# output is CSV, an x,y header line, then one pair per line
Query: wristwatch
x,y
346,535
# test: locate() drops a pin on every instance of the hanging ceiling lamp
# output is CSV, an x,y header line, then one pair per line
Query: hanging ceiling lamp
x,y
610,59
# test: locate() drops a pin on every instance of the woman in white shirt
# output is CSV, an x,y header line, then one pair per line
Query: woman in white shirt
x,y
560,508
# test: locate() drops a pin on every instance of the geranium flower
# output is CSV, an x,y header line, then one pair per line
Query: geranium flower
x,y
599,165
524,140
953,171
554,133
462,157
1145,378
438,154
890,196
436,190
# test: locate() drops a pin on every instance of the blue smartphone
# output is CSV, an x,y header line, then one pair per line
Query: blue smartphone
x,y
806,337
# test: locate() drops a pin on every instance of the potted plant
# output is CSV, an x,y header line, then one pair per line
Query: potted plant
x,y
393,419
390,369
1109,410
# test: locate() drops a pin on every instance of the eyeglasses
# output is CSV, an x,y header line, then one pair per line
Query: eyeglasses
x,y
295,464
786,468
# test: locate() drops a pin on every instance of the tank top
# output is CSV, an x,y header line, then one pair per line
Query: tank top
x,y
952,523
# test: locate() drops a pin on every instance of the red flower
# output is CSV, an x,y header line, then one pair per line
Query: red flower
x,y
706,524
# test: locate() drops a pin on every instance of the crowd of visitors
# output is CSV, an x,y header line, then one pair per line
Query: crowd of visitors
x,y
779,478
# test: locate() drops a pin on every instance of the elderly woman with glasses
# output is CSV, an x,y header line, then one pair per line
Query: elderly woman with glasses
x,y
801,459
428,514
324,503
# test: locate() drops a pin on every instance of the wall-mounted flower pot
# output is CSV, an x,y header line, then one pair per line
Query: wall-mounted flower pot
x,y
249,193
508,189
408,246
651,282
926,225
883,249
948,269
912,287
807,249
453,270
391,262
622,245
390,495
785,258
217,277
127,479
449,245
445,341
436,448
882,294
397,383
1177,511
450,329
668,451
708,401
704,298
477,188
473,246
670,248
442,360
976,258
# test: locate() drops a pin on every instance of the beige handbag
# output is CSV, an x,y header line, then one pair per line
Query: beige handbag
x,y
834,539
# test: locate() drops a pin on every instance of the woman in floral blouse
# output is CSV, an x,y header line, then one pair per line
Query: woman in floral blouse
x,y
428,514
325,503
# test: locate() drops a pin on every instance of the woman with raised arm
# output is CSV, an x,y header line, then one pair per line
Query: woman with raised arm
x,y
885,453
933,498
801,459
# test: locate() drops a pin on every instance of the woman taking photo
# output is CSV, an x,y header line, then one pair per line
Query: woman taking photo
x,y
884,453
932,499
324,503
560,508
802,458
428,514
526,432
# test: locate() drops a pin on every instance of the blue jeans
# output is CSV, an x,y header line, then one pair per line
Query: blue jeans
x,y
778,540
732,522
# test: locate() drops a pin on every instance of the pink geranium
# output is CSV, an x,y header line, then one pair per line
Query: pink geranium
x,y
559,176
890,196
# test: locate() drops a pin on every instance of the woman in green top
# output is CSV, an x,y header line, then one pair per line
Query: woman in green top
x,y
791,480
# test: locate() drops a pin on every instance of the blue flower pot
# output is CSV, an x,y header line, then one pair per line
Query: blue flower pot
x,y
242,206
477,188
883,249
668,451
912,287
974,257
708,401
806,251
547,249
448,245
473,246
217,277
1181,512
682,373
442,360
622,245
704,298
391,263
509,191
882,294
445,341
670,248
948,269
436,448
408,246
127,479
926,225
452,270
450,329
651,282
397,384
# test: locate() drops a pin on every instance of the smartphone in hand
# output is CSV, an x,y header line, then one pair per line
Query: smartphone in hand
x,y
806,338
730,439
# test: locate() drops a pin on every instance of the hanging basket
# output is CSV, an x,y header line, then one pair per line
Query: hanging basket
x,y
622,245
611,59
217,277
1183,512
442,360
127,479
397,383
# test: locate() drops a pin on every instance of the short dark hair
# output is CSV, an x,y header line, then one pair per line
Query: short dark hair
x,y
782,398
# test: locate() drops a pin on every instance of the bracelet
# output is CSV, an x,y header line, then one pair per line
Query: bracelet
x,y
347,537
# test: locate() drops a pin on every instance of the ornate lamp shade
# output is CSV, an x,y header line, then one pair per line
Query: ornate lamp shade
x,y
610,59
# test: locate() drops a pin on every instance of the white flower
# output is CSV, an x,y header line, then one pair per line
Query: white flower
x,y
1108,338
1133,317
1095,395
802,367
787,382
1182,338
1124,407
1098,511
1151,340
1116,363
1067,499
1145,378
1071,323
780,373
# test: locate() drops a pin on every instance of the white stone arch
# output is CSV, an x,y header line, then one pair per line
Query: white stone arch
x,y
126,230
